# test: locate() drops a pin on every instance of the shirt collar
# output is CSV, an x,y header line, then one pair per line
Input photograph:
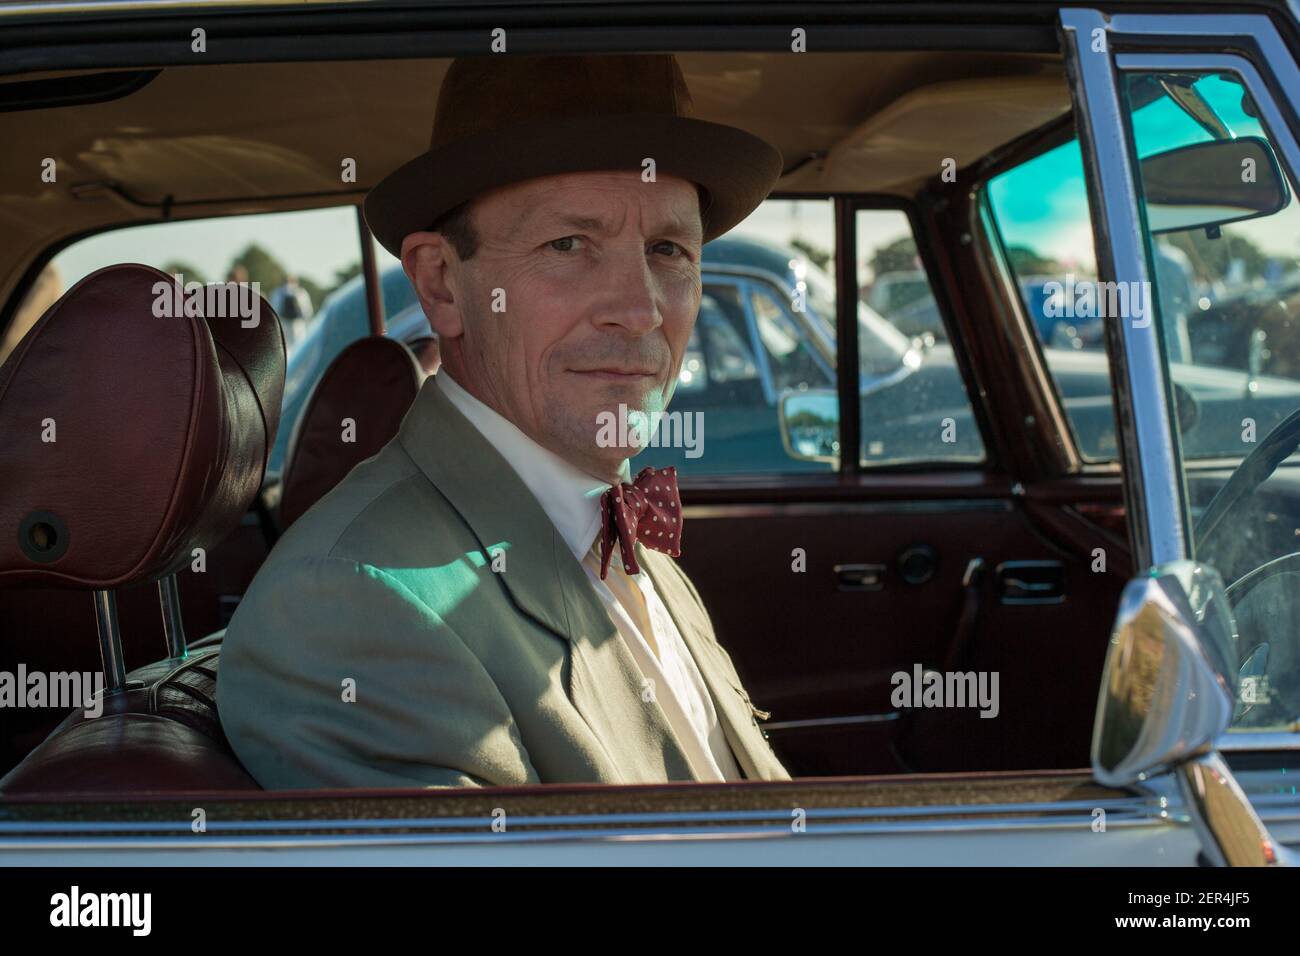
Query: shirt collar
x,y
569,496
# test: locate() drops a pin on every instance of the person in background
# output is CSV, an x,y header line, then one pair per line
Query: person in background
x,y
293,305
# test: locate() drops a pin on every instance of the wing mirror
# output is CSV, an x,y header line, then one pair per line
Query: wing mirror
x,y
1210,184
1165,700
1165,692
810,424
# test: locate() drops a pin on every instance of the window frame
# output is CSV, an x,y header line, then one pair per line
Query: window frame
x,y
281,814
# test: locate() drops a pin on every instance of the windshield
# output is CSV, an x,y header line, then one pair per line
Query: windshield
x,y
1227,299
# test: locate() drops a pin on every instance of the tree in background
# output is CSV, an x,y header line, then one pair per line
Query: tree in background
x,y
816,255
1026,262
897,256
1212,258
265,268
190,273
262,267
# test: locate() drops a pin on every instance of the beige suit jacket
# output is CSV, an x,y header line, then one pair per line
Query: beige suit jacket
x,y
378,648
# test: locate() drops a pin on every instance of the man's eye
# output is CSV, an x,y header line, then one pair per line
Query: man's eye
x,y
672,246
566,244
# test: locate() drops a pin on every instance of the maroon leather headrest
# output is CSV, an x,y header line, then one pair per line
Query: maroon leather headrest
x,y
128,439
372,382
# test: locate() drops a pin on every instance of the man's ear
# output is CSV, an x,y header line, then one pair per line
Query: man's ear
x,y
425,259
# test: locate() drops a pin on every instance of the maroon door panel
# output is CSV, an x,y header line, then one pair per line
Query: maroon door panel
x,y
878,592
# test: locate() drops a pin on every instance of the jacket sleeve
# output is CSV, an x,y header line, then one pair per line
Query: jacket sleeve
x,y
333,674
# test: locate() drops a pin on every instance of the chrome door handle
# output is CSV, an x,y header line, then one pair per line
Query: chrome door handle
x,y
859,577
1031,582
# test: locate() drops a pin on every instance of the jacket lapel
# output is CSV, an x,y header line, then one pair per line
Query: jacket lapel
x,y
544,582
739,723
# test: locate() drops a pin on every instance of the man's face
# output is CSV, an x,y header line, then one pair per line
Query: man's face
x,y
581,298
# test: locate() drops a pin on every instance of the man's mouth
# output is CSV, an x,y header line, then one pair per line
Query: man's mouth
x,y
615,374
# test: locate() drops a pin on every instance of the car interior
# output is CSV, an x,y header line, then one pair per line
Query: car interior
x,y
988,566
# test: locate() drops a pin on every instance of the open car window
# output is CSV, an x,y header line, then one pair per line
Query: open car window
x,y
878,534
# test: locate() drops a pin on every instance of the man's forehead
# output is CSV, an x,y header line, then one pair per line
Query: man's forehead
x,y
592,206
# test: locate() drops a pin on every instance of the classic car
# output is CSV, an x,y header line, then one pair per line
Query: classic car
x,y
1100,546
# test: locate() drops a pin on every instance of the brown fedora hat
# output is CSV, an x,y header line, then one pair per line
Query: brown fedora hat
x,y
503,119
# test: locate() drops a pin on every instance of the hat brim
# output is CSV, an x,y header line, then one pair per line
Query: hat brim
x,y
738,169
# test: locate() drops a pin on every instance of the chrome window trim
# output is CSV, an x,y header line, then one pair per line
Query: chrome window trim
x,y
1246,741
63,7
1156,495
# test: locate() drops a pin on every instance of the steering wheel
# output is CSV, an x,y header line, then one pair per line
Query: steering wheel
x,y
1272,611
1278,445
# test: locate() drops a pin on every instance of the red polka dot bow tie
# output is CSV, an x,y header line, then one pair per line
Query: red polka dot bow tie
x,y
649,510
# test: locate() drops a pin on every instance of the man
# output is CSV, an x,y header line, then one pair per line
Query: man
x,y
491,600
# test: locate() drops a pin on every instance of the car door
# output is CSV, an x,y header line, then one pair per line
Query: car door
x,y
1162,91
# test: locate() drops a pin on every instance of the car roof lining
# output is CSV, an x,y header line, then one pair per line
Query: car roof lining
x,y
264,137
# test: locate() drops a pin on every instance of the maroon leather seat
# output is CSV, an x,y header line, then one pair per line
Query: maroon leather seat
x,y
130,440
371,384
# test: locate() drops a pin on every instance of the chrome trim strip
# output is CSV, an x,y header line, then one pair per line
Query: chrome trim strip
x,y
1060,815
107,6
1139,806
772,725
1155,498
1248,740
813,509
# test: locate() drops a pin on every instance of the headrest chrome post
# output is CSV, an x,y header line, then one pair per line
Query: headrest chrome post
x,y
173,625
110,641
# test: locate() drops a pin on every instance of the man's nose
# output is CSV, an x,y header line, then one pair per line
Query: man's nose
x,y
633,293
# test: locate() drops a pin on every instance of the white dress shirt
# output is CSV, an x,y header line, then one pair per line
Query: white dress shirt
x,y
571,499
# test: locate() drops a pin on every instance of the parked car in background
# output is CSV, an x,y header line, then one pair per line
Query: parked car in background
x,y
905,300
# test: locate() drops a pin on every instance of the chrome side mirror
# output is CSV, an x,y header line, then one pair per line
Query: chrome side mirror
x,y
810,424
1166,698
1166,691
